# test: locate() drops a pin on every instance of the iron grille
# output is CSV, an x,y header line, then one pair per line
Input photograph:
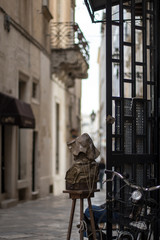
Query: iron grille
x,y
68,35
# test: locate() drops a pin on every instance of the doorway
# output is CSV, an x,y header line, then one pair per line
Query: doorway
x,y
34,160
3,181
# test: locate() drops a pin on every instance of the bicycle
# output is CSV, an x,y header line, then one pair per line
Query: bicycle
x,y
133,210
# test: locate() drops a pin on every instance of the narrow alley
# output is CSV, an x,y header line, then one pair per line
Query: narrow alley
x,y
43,219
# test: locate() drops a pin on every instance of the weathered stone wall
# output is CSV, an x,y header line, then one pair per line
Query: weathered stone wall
x,y
24,57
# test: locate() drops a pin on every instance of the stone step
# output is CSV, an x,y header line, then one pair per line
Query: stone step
x,y
9,203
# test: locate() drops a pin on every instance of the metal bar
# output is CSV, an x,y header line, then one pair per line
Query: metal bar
x,y
89,10
139,27
127,80
129,44
133,68
115,60
126,7
157,60
144,34
91,13
157,97
109,102
150,11
139,64
135,158
150,47
115,23
150,83
156,52
121,44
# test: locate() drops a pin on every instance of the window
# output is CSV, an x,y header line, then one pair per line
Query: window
x,y
22,87
22,90
35,90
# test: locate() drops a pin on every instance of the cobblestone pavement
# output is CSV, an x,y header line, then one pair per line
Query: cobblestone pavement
x,y
42,219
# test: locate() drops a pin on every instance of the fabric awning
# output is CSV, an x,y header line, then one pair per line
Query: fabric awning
x,y
15,112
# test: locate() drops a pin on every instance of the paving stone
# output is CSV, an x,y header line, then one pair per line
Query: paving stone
x,y
42,219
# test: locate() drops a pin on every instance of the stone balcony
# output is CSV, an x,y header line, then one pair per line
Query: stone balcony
x,y
69,52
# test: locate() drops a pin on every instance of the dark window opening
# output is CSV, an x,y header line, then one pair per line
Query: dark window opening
x,y
57,137
35,90
22,194
22,90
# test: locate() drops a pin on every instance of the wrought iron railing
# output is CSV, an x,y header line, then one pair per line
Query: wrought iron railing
x,y
68,35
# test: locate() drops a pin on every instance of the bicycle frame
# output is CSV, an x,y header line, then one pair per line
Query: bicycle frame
x,y
143,210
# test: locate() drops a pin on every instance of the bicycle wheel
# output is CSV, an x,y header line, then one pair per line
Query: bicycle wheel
x,y
99,236
125,236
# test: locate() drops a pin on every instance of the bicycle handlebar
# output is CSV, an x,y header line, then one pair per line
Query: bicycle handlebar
x,y
114,173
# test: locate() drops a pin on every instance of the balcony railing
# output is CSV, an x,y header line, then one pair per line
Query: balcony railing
x,y
68,35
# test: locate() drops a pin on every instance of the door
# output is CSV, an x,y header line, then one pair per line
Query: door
x,y
132,112
3,165
34,160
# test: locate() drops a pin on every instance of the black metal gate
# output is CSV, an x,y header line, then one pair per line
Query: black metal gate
x,y
132,89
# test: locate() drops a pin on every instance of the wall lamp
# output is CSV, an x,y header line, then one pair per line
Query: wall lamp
x,y
93,116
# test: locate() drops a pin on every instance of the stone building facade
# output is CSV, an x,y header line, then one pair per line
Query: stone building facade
x,y
69,57
25,155
34,129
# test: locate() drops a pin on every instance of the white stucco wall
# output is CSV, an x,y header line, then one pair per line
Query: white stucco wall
x,y
45,134
102,94
58,96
